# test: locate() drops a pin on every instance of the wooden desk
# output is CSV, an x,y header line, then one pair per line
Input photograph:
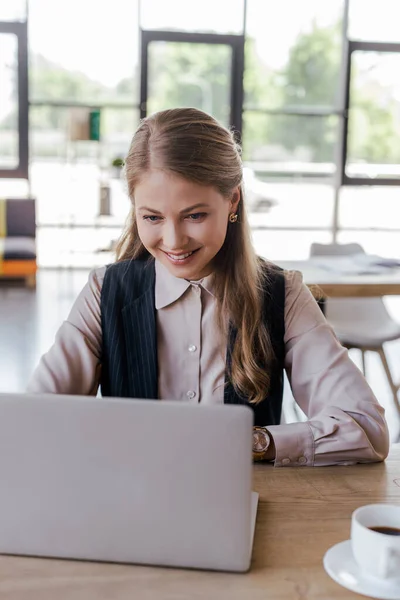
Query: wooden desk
x,y
302,512
334,284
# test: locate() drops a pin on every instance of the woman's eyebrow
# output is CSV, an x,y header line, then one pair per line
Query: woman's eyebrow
x,y
147,209
184,211
199,205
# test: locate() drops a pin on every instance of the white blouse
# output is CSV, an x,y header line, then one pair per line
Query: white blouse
x,y
345,422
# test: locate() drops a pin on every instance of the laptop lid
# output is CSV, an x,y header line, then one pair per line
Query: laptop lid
x,y
137,481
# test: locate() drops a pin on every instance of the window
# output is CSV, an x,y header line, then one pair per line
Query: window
x,y
13,100
374,20
373,151
208,16
291,85
190,74
293,62
13,11
290,145
89,53
9,153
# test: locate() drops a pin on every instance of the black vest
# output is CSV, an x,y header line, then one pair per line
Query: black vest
x,y
129,345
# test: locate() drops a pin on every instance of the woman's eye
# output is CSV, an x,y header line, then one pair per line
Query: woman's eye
x,y
197,216
151,218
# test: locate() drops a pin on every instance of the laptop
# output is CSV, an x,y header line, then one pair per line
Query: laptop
x,y
132,481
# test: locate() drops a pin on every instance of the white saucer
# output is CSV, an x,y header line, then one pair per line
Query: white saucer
x,y
339,563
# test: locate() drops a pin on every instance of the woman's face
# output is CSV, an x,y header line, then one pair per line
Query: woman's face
x,y
181,223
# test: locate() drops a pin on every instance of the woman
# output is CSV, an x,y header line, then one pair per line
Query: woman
x,y
189,312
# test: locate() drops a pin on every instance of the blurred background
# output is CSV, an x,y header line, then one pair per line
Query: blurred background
x,y
276,71
312,88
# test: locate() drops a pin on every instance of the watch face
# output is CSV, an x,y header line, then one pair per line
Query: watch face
x,y
260,441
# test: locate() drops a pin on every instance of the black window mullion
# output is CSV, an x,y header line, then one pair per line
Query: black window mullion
x,y
19,29
23,118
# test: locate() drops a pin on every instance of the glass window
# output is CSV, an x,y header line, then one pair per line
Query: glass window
x,y
223,16
288,245
370,206
83,247
293,61
9,153
290,145
13,11
77,169
88,54
374,20
13,188
375,208
382,243
287,204
186,74
374,118
48,126
117,128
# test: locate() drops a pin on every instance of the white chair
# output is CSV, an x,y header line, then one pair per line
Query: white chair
x,y
361,323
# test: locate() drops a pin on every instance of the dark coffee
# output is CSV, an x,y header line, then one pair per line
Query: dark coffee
x,y
386,530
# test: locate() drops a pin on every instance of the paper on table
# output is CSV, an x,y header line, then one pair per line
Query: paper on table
x,y
356,264
384,262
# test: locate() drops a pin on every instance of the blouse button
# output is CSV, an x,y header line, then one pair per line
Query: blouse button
x,y
192,348
285,461
190,394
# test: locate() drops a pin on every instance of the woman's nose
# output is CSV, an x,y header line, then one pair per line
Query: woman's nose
x,y
174,238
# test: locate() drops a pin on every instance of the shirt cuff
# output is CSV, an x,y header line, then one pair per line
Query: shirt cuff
x,y
294,444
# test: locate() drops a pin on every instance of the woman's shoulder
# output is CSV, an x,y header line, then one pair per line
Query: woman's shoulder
x,y
95,279
293,279
92,293
87,305
134,265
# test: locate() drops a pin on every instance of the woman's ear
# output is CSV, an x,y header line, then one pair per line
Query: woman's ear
x,y
235,199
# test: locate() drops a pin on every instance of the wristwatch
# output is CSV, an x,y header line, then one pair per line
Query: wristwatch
x,y
261,442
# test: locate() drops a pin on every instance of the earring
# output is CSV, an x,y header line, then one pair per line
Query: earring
x,y
233,218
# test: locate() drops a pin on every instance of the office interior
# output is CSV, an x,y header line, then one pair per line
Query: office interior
x,y
310,87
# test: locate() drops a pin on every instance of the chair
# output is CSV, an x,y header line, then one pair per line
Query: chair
x,y
360,323
18,239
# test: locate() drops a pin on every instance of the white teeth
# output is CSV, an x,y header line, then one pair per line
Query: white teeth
x,y
180,257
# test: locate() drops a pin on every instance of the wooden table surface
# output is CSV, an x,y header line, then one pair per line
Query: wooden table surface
x,y
336,284
302,512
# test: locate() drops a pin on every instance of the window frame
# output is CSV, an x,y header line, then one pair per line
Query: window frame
x,y
354,46
20,30
236,42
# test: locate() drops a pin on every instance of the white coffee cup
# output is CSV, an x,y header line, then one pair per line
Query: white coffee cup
x,y
376,553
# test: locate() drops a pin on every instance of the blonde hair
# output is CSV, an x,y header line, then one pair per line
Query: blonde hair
x,y
193,145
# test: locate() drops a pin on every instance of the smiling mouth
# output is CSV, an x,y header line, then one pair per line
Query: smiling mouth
x,y
181,257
